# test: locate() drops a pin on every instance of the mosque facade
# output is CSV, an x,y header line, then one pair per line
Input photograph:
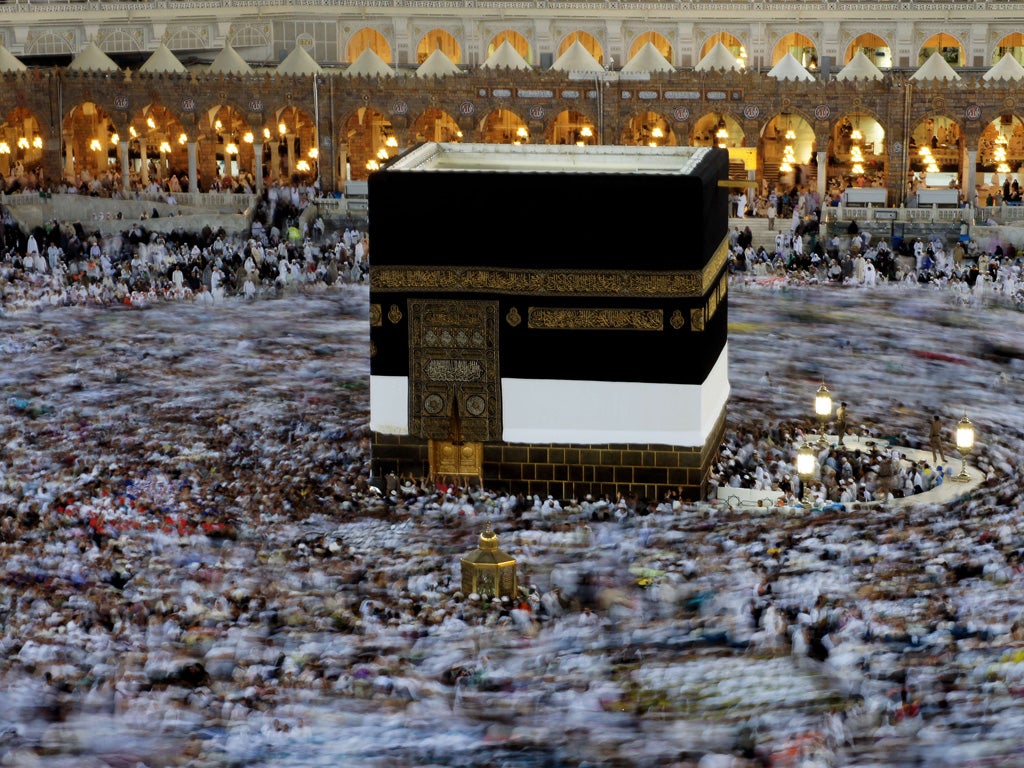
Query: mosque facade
x,y
823,95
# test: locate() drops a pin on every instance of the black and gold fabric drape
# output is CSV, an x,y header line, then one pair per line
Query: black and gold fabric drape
x,y
454,371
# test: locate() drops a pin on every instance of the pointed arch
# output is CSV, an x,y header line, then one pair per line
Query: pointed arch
x,y
503,126
801,46
732,43
949,46
873,46
515,39
658,40
442,40
571,127
587,40
435,125
364,38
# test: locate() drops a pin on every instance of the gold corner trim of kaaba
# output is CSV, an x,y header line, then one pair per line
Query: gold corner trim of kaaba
x,y
595,319
552,282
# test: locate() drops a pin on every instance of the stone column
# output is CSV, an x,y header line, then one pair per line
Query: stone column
x,y
69,157
126,169
822,176
193,166
257,164
971,177
290,138
275,160
145,162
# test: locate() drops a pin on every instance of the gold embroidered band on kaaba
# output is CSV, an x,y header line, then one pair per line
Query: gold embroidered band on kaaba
x,y
584,319
560,282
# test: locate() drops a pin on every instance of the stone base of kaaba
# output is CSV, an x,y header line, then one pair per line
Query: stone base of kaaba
x,y
647,471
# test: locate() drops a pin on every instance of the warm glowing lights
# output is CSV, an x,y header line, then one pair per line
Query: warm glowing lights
x,y
165,147
586,132
5,148
929,162
282,128
856,135
151,123
302,166
382,153
37,142
183,138
722,134
266,133
231,148
391,141
657,132
313,153
522,133
23,143
132,132
372,165
790,135
95,145
217,125
248,138
999,154
115,139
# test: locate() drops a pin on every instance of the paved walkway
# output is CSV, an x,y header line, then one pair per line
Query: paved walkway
x,y
949,489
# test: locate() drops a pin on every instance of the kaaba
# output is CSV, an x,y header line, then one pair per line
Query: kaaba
x,y
550,319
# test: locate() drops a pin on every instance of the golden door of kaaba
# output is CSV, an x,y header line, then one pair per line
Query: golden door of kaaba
x,y
454,382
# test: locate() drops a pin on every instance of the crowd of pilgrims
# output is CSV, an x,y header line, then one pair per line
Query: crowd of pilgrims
x,y
149,596
71,263
872,469
803,254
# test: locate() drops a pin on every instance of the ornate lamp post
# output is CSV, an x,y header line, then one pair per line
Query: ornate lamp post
x,y
964,444
823,408
806,464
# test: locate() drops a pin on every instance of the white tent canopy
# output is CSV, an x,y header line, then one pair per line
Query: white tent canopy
x,y
230,62
505,56
719,57
1007,68
936,68
163,60
369,64
789,68
9,62
298,62
437,64
860,68
648,59
576,59
91,58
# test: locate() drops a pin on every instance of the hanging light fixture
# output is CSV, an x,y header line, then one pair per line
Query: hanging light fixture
x,y
183,139
313,153
115,139
5,148
302,166
999,154
95,145
248,138
231,148
23,143
165,147
151,123
37,142
372,165
722,134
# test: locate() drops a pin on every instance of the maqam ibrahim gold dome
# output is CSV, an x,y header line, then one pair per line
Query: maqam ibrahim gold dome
x,y
488,571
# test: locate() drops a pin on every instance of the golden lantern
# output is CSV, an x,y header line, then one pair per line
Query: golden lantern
x,y
488,571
